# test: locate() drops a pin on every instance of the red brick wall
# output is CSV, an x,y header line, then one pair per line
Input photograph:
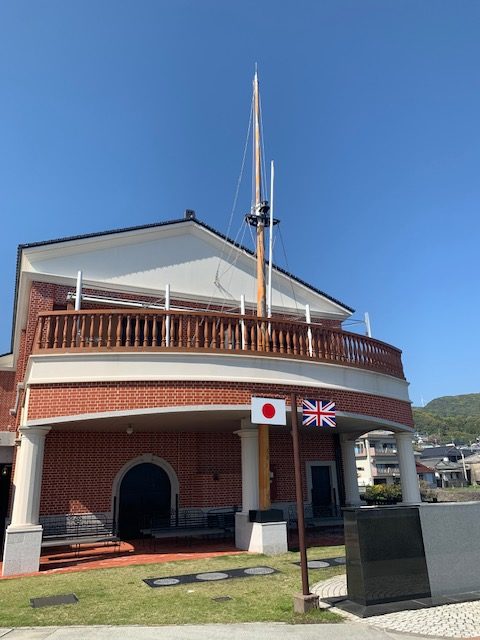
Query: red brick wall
x,y
80,467
7,400
313,447
47,401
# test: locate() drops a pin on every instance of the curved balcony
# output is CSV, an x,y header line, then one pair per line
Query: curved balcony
x,y
187,331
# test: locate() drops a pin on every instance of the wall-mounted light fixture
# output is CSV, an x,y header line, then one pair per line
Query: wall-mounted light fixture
x,y
129,430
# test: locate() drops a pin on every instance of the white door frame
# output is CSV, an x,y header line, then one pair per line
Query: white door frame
x,y
333,478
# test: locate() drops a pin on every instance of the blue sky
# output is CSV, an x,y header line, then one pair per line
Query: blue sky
x,y
117,113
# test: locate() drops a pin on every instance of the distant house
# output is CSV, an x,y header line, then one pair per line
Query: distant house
x,y
449,463
473,463
377,461
426,474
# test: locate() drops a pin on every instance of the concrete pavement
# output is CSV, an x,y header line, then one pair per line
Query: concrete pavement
x,y
248,631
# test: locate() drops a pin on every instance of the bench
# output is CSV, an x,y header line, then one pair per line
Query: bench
x,y
190,524
77,529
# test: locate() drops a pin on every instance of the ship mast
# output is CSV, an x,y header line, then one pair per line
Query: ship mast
x,y
261,289
258,218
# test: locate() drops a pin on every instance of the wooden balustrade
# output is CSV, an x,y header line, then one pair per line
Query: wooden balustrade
x,y
144,330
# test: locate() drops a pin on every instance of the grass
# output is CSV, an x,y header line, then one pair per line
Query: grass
x,y
119,596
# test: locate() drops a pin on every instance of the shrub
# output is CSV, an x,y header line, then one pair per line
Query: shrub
x,y
383,494
427,493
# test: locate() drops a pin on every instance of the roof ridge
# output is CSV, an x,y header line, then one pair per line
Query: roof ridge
x,y
200,223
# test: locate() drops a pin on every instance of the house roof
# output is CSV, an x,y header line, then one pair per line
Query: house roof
x,y
155,225
473,459
421,468
440,452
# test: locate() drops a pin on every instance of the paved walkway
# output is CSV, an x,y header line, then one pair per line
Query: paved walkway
x,y
448,621
253,631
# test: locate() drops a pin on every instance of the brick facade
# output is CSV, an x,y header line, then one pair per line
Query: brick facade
x,y
7,400
80,467
49,401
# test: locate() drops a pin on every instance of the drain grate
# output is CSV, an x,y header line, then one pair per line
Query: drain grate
x,y
53,601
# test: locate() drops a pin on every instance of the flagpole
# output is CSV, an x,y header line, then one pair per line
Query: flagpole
x,y
299,496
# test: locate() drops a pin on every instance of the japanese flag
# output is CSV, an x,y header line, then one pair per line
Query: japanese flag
x,y
268,411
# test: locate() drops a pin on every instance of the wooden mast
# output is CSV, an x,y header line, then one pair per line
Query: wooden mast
x,y
259,217
261,289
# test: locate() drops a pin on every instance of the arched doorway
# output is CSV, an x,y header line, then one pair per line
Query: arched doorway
x,y
145,500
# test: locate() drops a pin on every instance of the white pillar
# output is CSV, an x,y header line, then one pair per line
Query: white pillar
x,y
249,443
258,537
24,535
408,471
352,493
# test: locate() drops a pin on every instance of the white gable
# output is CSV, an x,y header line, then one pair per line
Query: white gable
x,y
196,263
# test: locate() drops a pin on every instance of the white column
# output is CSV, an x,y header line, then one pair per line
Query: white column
x,y
352,493
249,443
24,534
258,537
408,471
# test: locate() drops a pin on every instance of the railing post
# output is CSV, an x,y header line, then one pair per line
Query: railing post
x,y
167,318
309,330
242,321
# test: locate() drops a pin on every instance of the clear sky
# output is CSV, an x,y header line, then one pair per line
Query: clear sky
x,y
117,113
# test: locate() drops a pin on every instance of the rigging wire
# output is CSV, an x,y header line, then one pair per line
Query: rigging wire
x,y
237,190
234,206
287,265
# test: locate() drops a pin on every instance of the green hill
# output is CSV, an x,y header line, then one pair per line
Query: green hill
x,y
450,418
467,405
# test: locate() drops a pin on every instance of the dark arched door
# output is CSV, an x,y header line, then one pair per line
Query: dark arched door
x,y
144,500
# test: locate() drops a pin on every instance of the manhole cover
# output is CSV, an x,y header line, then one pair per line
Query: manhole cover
x,y
317,564
165,582
259,571
214,575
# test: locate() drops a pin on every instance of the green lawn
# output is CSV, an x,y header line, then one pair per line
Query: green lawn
x,y
118,596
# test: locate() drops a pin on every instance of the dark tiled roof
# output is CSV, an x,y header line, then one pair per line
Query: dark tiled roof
x,y
440,452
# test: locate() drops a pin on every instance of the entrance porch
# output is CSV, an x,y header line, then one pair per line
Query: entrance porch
x,y
148,471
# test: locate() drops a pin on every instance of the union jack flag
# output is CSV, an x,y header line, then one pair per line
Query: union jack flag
x,y
319,413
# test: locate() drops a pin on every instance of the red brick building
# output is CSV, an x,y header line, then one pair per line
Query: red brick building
x,y
125,409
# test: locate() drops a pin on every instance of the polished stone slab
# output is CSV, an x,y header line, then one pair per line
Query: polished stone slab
x,y
385,555
451,536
